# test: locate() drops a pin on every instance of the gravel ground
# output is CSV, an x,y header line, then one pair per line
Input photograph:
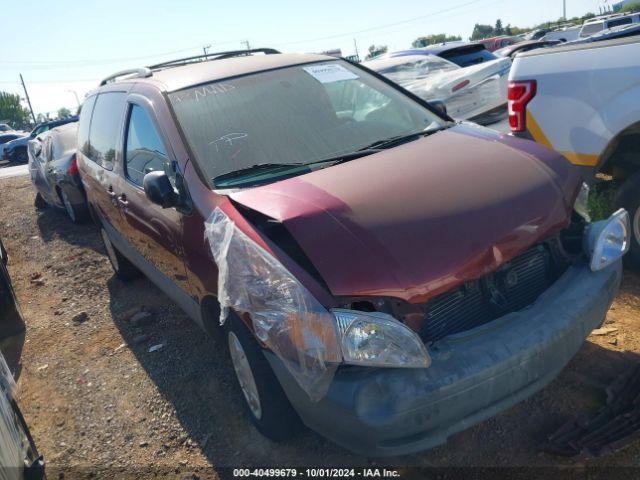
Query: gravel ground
x,y
97,400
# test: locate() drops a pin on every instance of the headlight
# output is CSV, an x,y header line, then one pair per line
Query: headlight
x,y
581,206
378,340
607,240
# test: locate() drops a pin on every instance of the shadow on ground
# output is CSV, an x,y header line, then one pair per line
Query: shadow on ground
x,y
53,223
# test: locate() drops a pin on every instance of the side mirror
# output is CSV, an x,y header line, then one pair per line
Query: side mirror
x,y
439,105
159,190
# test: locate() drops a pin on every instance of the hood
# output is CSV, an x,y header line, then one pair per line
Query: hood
x,y
18,142
414,221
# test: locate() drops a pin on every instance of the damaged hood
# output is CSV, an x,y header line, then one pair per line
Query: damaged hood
x,y
416,220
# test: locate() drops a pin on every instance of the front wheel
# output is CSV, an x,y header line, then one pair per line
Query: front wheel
x,y
265,402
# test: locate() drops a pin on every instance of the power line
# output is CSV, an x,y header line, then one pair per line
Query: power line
x,y
67,63
380,27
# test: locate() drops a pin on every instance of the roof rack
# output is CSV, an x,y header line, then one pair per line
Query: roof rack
x,y
142,72
213,56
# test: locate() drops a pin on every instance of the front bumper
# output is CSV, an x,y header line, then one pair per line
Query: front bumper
x,y
473,376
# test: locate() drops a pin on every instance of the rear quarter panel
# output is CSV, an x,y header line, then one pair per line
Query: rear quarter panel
x,y
584,97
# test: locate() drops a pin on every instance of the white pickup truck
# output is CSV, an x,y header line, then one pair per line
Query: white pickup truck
x,y
584,101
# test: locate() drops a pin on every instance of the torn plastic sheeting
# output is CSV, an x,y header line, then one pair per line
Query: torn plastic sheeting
x,y
285,316
13,445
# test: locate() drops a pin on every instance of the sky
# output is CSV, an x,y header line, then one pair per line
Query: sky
x,y
63,48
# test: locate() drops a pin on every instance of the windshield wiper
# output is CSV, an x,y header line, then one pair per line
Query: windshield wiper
x,y
400,139
257,168
345,157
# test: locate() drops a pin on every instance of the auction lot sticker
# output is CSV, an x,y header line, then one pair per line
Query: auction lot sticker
x,y
329,72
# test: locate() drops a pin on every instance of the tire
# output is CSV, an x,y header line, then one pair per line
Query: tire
x,y
39,202
628,197
122,267
269,410
21,156
77,214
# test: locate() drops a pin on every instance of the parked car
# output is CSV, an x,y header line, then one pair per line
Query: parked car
x,y
595,25
564,34
16,150
494,43
590,115
621,31
12,326
512,50
5,127
463,54
19,457
7,137
54,171
477,93
383,273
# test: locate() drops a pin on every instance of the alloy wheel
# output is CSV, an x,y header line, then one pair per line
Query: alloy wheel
x,y
245,375
67,206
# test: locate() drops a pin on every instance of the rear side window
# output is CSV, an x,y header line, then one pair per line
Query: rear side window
x,y
83,126
618,21
467,56
105,128
144,151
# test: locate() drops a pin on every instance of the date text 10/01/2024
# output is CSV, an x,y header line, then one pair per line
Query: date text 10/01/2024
x,y
316,472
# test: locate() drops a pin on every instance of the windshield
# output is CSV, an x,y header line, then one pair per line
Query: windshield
x,y
409,68
294,115
469,55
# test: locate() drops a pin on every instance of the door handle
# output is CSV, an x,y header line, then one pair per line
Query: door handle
x,y
122,200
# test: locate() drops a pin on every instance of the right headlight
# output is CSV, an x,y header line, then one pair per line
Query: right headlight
x,y
378,340
607,240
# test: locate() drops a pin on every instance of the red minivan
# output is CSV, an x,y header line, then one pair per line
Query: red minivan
x,y
383,274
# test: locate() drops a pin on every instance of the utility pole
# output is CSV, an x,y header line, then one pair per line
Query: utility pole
x,y
205,49
564,9
28,101
355,44
75,94
246,42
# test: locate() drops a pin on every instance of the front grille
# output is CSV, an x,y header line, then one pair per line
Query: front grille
x,y
514,286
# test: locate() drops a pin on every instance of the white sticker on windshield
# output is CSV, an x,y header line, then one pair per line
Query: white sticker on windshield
x,y
329,72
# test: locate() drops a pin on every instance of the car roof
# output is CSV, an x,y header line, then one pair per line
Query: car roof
x,y
172,78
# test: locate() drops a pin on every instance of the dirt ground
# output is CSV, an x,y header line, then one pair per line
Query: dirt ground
x,y
97,400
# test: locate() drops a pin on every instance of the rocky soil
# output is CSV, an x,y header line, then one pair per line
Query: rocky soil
x,y
116,381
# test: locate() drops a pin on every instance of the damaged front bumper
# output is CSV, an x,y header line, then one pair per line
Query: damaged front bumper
x,y
473,376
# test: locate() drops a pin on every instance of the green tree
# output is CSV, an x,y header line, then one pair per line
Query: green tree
x,y
481,31
498,30
631,7
431,39
64,112
375,50
12,111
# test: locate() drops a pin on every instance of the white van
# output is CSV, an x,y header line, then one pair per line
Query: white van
x,y
598,24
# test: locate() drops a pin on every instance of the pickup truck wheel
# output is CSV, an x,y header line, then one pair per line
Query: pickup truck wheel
x,y
265,402
628,197
122,267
